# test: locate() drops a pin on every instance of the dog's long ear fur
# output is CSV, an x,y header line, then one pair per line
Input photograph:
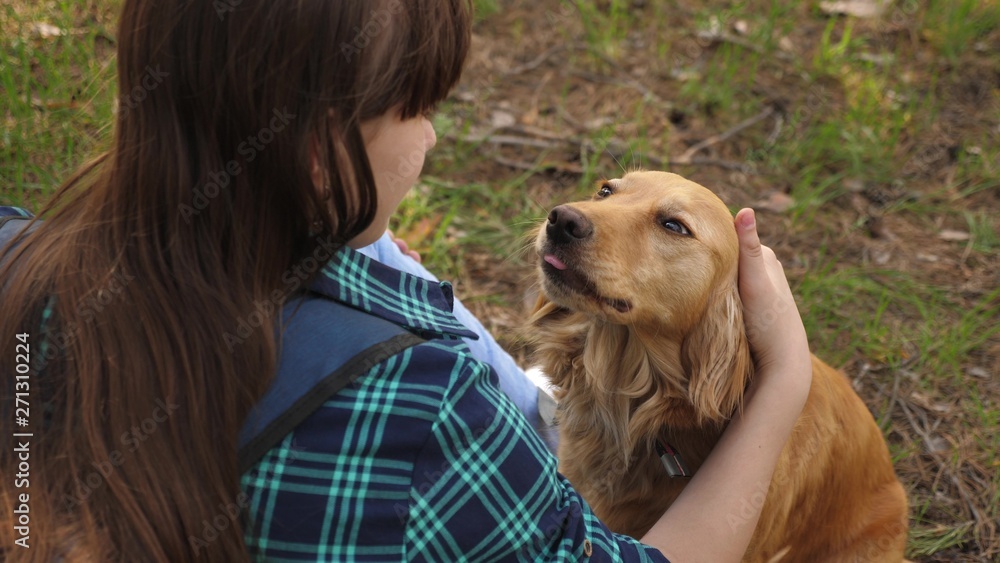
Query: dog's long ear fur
x,y
716,358
558,335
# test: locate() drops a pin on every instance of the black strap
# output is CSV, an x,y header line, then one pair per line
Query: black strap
x,y
6,218
325,346
312,398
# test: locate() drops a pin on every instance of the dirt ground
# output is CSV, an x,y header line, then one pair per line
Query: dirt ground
x,y
564,106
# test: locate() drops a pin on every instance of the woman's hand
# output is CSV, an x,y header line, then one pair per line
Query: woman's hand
x,y
405,248
777,338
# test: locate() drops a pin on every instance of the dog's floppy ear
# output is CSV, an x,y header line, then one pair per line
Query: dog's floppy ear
x,y
716,358
544,316
558,335
543,307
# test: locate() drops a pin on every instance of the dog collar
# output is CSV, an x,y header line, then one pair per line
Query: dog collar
x,y
671,460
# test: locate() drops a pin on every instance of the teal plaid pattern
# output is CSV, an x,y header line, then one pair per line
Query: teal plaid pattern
x,y
423,458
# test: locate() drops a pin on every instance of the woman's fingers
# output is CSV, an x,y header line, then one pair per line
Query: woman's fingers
x,y
754,278
762,279
405,248
774,327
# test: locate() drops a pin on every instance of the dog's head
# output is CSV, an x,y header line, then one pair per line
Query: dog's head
x,y
656,255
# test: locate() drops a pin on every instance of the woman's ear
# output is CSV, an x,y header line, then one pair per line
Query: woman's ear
x,y
716,358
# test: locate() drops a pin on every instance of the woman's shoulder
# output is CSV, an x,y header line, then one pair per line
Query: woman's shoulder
x,y
321,334
392,405
374,432
429,374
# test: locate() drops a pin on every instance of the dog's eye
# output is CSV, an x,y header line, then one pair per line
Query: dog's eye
x,y
676,226
605,191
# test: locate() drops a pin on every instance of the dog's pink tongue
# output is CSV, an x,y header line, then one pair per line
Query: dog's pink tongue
x,y
555,262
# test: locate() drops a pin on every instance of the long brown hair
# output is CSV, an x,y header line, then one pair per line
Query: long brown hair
x,y
150,291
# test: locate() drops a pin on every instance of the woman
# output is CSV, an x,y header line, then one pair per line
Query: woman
x,y
277,133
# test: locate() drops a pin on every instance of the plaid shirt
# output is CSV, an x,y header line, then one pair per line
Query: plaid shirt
x,y
421,459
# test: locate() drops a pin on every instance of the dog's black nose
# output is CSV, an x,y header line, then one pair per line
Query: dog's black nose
x,y
567,225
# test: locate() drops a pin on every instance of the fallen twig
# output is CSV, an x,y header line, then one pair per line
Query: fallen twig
x,y
779,122
723,37
727,164
542,139
537,61
966,497
688,155
545,165
507,140
741,42
628,81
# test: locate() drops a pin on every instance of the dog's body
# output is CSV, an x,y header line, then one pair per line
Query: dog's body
x,y
641,330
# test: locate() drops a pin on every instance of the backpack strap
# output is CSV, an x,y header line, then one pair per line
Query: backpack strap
x,y
325,346
10,228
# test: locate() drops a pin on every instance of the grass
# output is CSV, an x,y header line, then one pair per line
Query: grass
x,y
983,232
605,27
958,24
57,95
889,123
